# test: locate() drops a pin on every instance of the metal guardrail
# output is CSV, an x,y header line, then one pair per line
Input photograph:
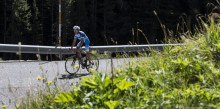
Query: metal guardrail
x,y
13,48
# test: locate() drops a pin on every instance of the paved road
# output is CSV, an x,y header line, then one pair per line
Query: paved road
x,y
18,78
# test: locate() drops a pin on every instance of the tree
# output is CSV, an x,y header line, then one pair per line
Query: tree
x,y
35,24
19,26
104,21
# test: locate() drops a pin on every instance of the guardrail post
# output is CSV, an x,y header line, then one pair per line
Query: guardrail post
x,y
112,70
19,53
61,56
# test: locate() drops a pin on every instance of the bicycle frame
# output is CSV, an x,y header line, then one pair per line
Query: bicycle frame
x,y
84,64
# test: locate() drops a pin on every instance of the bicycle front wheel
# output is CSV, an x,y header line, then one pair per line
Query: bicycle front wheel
x,y
72,65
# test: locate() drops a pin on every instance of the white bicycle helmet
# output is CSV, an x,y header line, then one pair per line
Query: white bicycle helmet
x,y
76,28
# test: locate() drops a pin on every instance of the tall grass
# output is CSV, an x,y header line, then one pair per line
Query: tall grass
x,y
179,77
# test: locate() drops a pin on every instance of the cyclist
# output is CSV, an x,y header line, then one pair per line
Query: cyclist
x,y
82,37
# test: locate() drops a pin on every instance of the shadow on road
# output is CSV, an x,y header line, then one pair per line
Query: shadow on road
x,y
73,76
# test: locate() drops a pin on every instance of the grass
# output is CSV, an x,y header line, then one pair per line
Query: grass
x,y
179,77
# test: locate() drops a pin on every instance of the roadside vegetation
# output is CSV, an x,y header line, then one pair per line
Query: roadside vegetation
x,y
179,77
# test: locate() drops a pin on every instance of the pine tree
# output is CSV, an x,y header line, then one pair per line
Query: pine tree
x,y
35,38
19,26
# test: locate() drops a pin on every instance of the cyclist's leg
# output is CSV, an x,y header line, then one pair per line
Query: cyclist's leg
x,y
87,42
78,51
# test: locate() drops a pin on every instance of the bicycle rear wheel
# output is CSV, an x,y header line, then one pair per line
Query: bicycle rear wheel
x,y
72,65
95,63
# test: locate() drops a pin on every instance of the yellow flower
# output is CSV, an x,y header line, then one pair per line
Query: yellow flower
x,y
119,71
49,82
91,69
181,68
43,79
76,66
3,106
18,106
38,78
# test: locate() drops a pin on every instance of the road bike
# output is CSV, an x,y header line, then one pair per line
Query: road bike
x,y
73,63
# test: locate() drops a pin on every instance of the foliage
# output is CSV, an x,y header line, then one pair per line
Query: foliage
x,y
20,20
179,77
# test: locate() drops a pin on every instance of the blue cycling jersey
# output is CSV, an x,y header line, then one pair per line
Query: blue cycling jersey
x,y
80,35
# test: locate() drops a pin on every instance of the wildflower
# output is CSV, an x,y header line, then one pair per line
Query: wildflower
x,y
201,104
119,71
38,78
3,106
43,79
181,68
18,106
76,66
49,82
91,69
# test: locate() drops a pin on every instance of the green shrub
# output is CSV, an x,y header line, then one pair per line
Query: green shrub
x,y
179,77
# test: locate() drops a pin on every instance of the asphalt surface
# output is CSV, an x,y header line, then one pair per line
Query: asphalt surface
x,y
18,79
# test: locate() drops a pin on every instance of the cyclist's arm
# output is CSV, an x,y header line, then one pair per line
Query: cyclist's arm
x,y
74,43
